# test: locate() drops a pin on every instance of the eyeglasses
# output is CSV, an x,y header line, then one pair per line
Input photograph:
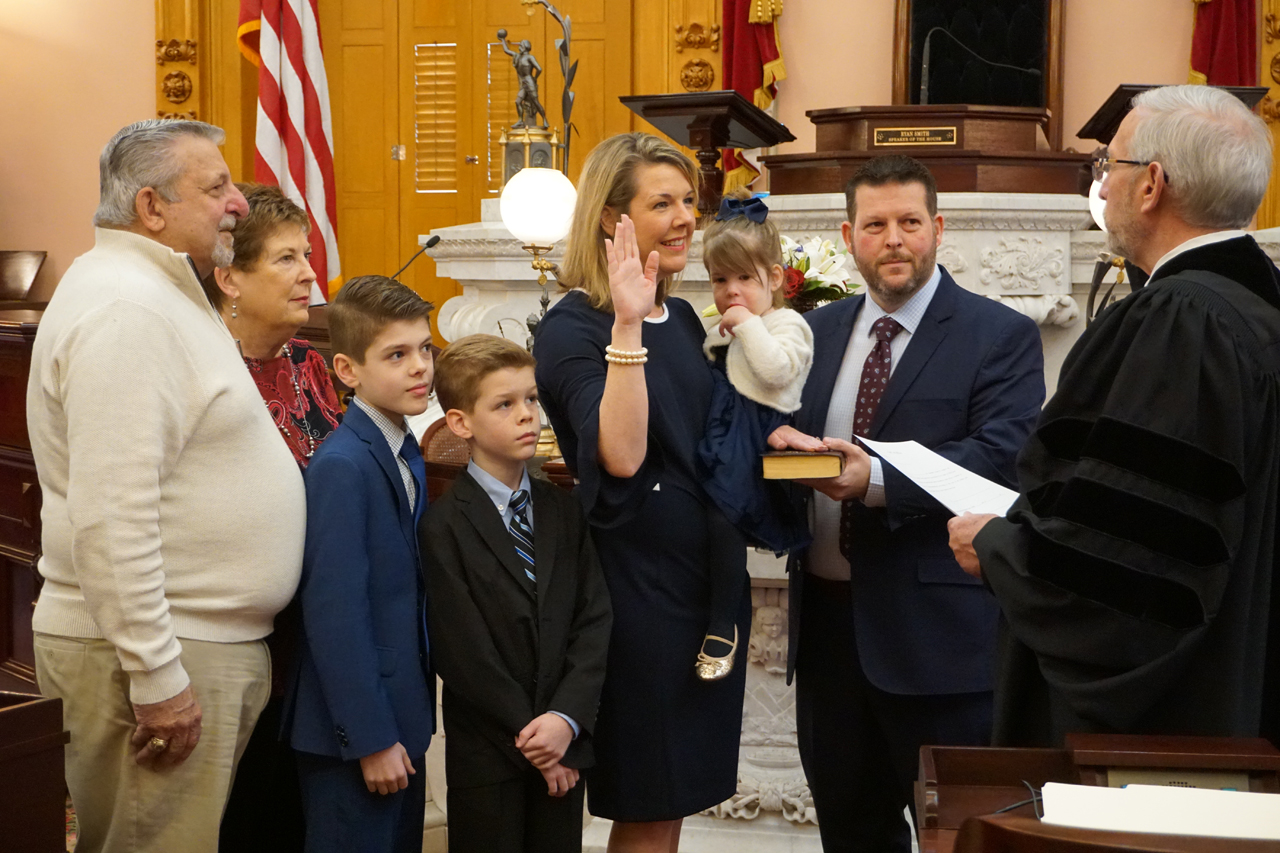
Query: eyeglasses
x,y
1102,165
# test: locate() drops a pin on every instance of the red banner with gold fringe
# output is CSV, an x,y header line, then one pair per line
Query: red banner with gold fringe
x,y
1224,43
752,67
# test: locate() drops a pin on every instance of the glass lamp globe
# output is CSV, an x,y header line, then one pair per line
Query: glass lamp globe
x,y
1098,205
537,206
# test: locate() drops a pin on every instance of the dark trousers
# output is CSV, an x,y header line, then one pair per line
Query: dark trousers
x,y
264,811
344,817
859,745
515,816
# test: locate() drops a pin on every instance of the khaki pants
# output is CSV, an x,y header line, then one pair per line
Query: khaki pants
x,y
121,806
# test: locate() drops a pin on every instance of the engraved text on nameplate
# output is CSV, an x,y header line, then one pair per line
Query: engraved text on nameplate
x,y
915,136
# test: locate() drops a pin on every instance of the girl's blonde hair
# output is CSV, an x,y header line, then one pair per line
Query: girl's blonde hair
x,y
738,245
608,180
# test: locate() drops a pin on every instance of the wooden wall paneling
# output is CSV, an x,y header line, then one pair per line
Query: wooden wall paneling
x,y
1269,109
361,63
182,60
653,52
232,85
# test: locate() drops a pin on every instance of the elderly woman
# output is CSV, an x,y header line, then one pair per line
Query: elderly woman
x,y
623,380
263,297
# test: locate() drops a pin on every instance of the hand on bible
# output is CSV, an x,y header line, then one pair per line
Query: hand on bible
x,y
545,740
853,480
559,779
633,284
176,721
387,771
963,529
790,438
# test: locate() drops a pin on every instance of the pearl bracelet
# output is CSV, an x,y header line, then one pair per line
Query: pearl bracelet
x,y
627,353
624,359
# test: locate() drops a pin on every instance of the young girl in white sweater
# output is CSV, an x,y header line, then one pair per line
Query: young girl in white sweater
x,y
761,351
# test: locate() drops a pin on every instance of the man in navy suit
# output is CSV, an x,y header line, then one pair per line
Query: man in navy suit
x,y
892,643
360,709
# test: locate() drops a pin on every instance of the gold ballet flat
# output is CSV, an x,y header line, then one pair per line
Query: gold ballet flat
x,y
712,668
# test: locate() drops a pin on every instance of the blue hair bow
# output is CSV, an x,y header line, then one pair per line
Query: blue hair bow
x,y
752,208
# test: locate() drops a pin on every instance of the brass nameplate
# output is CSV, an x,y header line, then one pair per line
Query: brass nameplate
x,y
915,136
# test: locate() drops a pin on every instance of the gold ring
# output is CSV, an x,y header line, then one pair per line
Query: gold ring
x,y
157,744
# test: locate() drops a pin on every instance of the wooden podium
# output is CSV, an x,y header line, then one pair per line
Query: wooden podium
x,y
968,149
707,122
959,789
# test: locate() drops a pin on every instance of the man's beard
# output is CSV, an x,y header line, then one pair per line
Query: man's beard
x,y
921,271
224,252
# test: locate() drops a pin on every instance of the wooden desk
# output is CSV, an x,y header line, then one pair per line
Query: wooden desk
x,y
19,504
1010,834
957,784
33,790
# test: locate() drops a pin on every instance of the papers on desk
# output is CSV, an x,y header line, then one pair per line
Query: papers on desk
x,y
1168,810
954,487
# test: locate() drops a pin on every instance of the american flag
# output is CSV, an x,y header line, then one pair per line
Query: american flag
x,y
294,141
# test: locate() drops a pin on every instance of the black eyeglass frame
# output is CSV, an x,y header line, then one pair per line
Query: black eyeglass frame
x,y
1102,165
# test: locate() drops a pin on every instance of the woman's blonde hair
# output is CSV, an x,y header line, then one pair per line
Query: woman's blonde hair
x,y
608,180
739,245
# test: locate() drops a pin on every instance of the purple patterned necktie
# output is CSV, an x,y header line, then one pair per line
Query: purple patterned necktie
x,y
875,378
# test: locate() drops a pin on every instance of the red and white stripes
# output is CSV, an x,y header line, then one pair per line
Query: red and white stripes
x,y
294,141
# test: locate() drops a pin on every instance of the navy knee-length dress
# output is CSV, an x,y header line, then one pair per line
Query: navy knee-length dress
x,y
666,743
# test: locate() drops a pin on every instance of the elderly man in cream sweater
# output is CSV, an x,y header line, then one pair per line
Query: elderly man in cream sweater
x,y
173,513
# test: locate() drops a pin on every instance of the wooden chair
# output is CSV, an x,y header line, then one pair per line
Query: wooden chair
x,y
17,272
445,456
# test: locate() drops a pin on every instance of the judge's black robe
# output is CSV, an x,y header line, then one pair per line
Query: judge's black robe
x,y
1135,573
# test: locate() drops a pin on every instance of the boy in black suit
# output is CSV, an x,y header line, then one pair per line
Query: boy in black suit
x,y
519,616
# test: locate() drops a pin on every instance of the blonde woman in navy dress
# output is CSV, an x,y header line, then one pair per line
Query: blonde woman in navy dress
x,y
623,380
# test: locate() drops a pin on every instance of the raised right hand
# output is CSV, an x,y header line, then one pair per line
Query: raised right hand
x,y
633,285
387,770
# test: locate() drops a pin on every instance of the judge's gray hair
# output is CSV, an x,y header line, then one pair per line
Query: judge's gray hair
x,y
142,155
1216,152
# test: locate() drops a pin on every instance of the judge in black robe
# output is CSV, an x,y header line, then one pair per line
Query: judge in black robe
x,y
1136,572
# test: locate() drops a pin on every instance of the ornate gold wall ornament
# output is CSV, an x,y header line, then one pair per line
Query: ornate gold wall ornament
x,y
1270,27
1269,110
697,75
189,115
175,51
177,86
697,37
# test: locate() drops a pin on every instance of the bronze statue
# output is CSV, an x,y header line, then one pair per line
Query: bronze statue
x,y
528,107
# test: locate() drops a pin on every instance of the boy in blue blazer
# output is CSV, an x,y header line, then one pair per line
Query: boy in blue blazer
x,y
520,615
360,708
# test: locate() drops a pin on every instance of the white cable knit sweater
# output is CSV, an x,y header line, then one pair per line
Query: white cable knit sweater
x,y
172,508
769,357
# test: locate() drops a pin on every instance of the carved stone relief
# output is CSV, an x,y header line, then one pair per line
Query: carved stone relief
x,y
949,256
697,75
1021,262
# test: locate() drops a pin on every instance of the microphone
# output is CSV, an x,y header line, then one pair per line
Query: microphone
x,y
431,241
924,61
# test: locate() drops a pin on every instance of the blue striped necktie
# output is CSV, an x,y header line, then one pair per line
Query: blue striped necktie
x,y
522,533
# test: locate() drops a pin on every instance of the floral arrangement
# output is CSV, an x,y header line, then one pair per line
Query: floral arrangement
x,y
816,271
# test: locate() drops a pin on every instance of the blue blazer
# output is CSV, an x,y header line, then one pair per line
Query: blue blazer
x,y
364,680
969,386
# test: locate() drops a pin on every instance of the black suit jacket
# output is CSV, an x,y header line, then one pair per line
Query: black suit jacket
x,y
504,654
969,386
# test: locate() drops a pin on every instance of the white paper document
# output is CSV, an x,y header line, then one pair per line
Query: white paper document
x,y
954,487
1170,810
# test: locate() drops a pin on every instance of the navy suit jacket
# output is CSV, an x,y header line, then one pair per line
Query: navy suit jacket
x,y
364,680
969,386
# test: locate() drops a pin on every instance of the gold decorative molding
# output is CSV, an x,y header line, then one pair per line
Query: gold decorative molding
x,y
177,86
189,115
1270,27
697,37
697,75
175,51
1269,110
